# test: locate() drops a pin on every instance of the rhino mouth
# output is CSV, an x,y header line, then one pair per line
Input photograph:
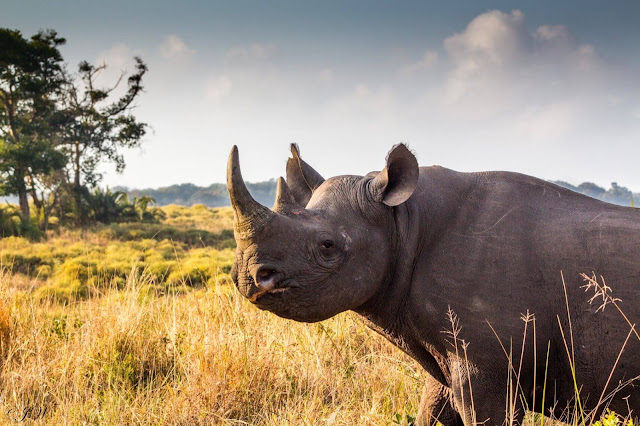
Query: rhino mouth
x,y
276,288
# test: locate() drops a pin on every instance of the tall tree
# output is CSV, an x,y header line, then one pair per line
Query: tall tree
x,y
31,79
99,125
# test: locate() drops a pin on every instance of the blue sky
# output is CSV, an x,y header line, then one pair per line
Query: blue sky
x,y
550,89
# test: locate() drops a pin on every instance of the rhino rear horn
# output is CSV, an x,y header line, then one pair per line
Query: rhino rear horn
x,y
285,201
302,179
397,181
250,214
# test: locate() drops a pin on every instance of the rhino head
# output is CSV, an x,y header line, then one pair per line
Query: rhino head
x,y
327,245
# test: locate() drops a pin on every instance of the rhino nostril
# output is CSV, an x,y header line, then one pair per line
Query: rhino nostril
x,y
266,277
265,274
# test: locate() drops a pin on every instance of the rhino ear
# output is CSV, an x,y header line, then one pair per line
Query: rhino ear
x,y
301,178
397,181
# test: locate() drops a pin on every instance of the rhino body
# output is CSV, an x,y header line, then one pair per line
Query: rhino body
x,y
462,271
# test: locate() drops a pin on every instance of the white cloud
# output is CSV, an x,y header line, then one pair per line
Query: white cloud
x,y
429,59
173,47
500,67
495,38
217,87
250,53
552,33
547,124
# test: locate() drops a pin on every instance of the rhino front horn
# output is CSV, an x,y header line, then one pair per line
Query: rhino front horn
x,y
250,214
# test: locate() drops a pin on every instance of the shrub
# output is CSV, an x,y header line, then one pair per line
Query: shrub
x,y
10,221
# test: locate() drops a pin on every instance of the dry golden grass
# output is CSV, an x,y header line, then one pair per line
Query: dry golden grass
x,y
193,357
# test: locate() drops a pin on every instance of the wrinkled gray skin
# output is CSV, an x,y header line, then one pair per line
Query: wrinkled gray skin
x,y
402,246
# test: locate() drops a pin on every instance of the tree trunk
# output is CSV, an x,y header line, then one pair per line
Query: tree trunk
x,y
37,202
76,185
48,209
24,204
76,165
45,220
23,194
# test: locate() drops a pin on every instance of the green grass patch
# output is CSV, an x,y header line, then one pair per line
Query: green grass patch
x,y
75,265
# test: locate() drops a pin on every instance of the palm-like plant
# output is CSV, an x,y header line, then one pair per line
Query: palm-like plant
x,y
107,206
147,214
10,221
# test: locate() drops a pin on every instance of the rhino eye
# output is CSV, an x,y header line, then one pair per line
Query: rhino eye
x,y
326,245
328,251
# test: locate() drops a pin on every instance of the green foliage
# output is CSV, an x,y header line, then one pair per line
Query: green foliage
x,y
31,79
10,221
55,126
612,419
106,206
96,130
58,327
408,419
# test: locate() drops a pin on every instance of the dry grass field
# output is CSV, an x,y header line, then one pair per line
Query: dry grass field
x,y
140,325
104,329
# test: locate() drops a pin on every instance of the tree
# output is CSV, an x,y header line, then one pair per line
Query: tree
x,y
31,79
98,130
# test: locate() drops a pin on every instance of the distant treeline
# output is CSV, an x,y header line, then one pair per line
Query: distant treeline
x,y
615,195
216,195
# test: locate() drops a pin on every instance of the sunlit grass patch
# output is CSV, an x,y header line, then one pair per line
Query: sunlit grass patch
x,y
202,357
68,267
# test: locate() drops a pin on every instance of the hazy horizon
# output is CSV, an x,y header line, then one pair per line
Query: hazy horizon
x,y
541,88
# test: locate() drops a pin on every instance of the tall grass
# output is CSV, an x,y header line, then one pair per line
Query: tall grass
x,y
200,356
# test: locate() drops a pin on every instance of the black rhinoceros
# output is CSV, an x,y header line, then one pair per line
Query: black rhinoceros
x,y
414,249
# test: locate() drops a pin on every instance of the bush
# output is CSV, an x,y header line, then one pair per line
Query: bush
x,y
13,224
10,221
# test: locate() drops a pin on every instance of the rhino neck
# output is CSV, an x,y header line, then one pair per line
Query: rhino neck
x,y
414,228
